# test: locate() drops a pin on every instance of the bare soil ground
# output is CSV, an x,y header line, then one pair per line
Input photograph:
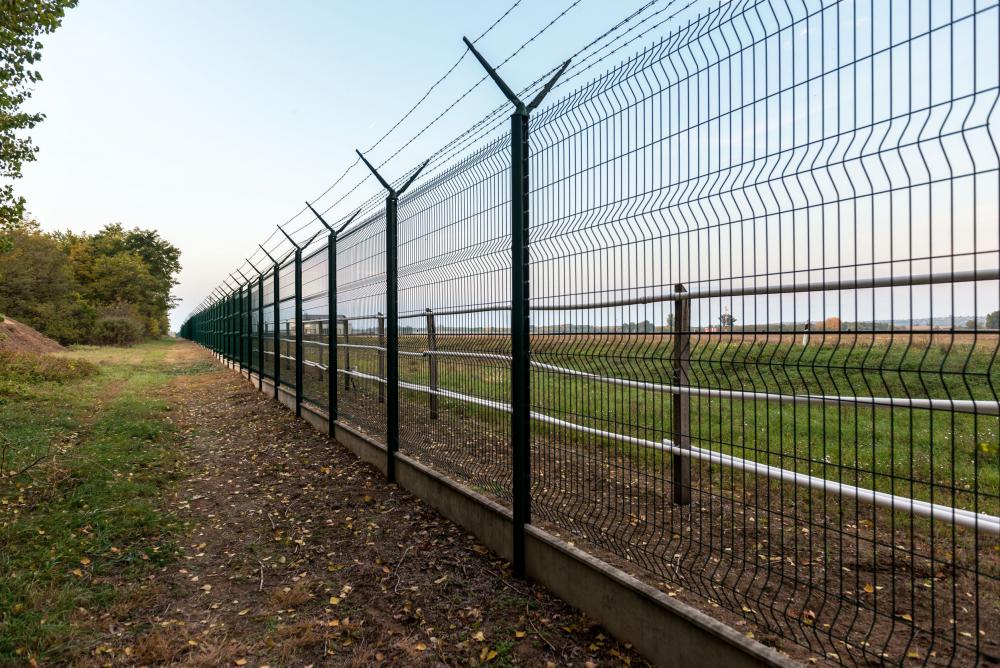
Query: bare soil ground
x,y
297,553
18,337
823,582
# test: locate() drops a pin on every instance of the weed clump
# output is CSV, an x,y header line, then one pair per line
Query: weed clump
x,y
25,367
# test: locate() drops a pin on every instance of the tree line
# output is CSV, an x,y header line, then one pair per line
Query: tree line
x,y
112,287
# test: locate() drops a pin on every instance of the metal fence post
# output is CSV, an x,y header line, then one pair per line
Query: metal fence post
x,y
297,317
520,317
681,422
276,332
260,332
347,353
298,332
227,329
230,326
248,330
392,336
224,327
392,315
243,323
381,354
331,304
331,328
240,325
432,363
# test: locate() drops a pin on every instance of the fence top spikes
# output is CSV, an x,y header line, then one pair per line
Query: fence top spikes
x,y
311,239
270,257
545,90
290,239
414,177
374,171
253,265
392,191
319,217
348,222
511,95
327,225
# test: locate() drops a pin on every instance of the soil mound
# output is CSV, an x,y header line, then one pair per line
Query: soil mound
x,y
19,337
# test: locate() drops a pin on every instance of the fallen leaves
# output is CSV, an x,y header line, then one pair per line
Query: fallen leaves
x,y
268,520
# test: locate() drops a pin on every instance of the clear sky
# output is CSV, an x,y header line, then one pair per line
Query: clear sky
x,y
212,121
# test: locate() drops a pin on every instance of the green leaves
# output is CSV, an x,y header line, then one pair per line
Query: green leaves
x,y
110,287
22,22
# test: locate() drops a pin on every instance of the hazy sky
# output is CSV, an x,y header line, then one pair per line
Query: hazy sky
x,y
212,121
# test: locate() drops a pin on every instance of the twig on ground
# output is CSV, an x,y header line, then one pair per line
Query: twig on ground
x,y
395,571
261,587
502,579
535,629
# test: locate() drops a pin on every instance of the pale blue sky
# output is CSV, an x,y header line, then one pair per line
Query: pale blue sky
x,y
212,121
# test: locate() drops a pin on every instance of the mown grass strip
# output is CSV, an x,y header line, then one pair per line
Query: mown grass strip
x,y
89,516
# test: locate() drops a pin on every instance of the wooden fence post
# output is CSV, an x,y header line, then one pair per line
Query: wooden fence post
x,y
681,424
432,363
381,357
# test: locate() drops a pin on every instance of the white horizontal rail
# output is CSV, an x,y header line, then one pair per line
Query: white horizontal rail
x,y
975,406
976,521
941,278
897,281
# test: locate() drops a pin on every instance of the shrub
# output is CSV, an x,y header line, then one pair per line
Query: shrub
x,y
36,367
117,331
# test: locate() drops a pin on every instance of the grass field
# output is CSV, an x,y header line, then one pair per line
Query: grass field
x,y
940,456
85,517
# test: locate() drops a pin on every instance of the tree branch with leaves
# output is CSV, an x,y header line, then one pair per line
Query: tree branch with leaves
x,y
22,23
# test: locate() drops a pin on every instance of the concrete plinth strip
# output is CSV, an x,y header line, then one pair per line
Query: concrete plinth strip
x,y
663,629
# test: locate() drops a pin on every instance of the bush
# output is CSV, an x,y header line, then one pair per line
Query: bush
x,y
117,331
28,367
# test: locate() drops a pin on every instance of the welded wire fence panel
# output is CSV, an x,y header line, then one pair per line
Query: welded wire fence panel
x,y
765,322
361,323
454,304
767,145
315,328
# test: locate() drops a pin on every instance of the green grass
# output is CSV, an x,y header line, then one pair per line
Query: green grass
x,y
928,455
87,517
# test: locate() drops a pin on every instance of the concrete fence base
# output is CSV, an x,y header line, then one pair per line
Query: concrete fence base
x,y
663,629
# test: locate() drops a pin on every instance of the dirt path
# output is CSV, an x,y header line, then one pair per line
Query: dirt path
x,y
298,554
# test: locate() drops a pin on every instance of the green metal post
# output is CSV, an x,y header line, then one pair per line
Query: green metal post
x,y
239,327
331,307
392,316
298,332
247,326
276,334
331,327
520,376
392,335
260,332
520,319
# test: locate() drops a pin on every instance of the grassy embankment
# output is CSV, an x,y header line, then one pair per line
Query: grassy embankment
x,y
84,522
